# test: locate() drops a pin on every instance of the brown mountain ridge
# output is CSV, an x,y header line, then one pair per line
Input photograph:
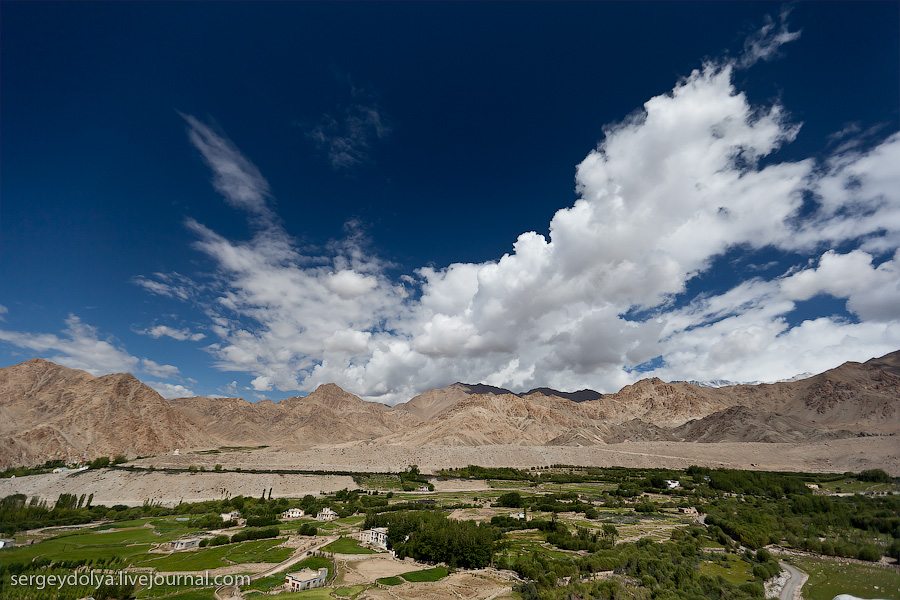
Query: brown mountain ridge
x,y
48,411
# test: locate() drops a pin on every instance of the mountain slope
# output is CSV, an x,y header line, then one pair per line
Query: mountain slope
x,y
49,411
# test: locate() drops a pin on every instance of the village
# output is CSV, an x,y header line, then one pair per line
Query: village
x,y
466,534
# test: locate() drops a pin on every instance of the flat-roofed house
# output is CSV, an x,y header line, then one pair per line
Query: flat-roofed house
x,y
293,513
377,536
184,543
326,514
305,579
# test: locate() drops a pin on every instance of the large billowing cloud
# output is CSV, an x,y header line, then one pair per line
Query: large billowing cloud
x,y
666,193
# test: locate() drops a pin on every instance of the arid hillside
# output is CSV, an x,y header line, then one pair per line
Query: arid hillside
x,y
48,411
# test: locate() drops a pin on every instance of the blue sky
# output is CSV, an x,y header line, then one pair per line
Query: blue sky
x,y
254,199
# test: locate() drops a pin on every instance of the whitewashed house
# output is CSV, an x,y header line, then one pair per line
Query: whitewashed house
x,y
672,484
293,513
377,536
231,516
423,488
305,579
326,514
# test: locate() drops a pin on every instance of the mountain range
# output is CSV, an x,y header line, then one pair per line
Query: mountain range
x,y
48,411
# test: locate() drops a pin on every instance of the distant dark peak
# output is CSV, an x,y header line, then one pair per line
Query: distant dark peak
x,y
579,396
483,388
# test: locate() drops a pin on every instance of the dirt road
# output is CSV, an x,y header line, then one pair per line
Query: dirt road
x,y
791,589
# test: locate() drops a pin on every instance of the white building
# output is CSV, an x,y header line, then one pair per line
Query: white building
x,y
326,514
305,579
522,516
184,544
377,536
231,516
6,544
672,483
293,513
423,488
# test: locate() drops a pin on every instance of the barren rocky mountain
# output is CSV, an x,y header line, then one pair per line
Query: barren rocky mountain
x,y
48,411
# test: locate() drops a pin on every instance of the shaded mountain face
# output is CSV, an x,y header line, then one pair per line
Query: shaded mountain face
x,y
579,396
48,411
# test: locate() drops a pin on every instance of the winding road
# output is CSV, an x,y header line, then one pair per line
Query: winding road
x,y
791,589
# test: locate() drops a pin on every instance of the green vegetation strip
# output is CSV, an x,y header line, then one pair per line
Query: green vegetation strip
x,y
390,581
218,556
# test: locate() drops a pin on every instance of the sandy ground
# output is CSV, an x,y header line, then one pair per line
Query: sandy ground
x,y
133,488
370,569
852,454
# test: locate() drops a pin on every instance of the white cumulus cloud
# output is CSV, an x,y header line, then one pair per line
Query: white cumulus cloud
x,y
678,185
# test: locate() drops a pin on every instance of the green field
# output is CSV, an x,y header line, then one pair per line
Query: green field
x,y
738,571
351,591
390,581
218,556
315,563
856,487
347,545
314,594
354,520
434,574
828,578
122,544
266,583
380,482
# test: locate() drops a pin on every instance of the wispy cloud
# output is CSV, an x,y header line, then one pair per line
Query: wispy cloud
x,y
171,285
81,347
235,177
181,335
346,135
765,43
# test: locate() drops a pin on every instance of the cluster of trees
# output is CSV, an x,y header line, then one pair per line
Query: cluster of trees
x,y
431,536
241,536
17,513
665,570
411,478
755,483
36,470
850,526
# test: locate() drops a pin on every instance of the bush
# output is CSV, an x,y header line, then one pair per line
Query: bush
x,y
307,529
99,462
870,553
510,500
875,476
